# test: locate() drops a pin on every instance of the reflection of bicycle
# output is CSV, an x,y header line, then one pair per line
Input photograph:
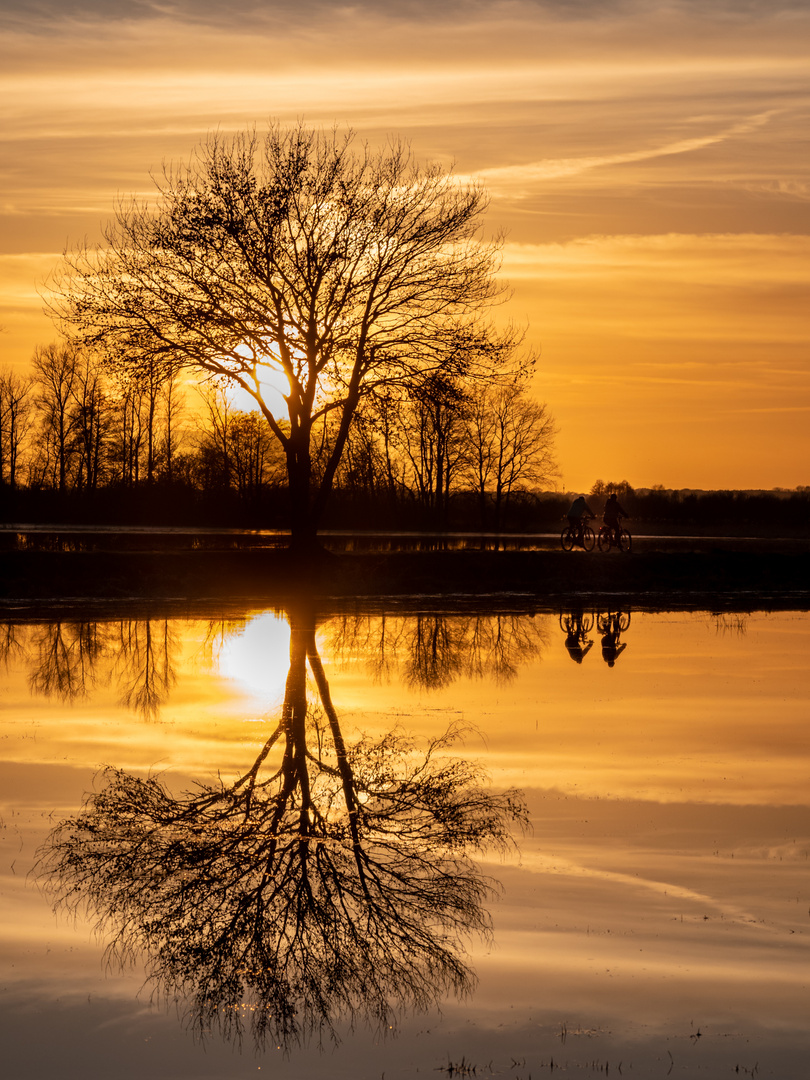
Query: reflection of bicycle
x,y
610,536
581,625
613,622
577,625
611,625
582,536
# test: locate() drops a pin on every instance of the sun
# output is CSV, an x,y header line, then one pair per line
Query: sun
x,y
273,385
258,657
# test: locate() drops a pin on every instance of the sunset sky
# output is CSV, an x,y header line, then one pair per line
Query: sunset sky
x,y
647,161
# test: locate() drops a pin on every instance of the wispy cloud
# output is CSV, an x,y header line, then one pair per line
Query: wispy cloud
x,y
504,180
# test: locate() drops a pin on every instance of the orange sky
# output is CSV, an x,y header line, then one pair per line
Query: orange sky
x,y
648,163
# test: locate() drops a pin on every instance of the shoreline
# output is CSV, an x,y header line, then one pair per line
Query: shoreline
x,y
742,578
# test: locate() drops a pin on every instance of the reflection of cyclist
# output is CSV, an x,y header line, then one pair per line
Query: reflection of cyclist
x,y
577,624
611,648
613,514
578,513
611,626
577,645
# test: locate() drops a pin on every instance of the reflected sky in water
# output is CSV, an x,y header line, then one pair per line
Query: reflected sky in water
x,y
662,891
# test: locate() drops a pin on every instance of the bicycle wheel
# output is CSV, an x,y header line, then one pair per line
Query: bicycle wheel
x,y
568,539
625,540
604,538
588,538
624,620
587,624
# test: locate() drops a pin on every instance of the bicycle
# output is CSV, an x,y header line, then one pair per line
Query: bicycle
x,y
572,537
610,536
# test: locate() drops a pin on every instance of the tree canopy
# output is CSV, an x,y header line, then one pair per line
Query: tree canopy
x,y
300,253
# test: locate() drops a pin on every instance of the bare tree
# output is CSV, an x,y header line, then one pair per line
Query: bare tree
x,y
332,882
236,448
16,422
173,405
255,460
126,434
340,270
146,431
214,435
510,439
90,421
432,440
55,371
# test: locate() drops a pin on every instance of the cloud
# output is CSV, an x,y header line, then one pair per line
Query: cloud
x,y
500,180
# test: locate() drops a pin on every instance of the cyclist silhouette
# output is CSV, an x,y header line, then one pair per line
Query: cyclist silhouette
x,y
578,513
613,514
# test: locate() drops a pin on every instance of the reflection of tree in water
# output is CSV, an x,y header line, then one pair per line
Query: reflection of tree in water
x,y
433,650
68,660
11,643
145,650
66,656
730,622
331,882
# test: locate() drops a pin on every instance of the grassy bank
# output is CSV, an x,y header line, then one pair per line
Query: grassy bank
x,y
762,578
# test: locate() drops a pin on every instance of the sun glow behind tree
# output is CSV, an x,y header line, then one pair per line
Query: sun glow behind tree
x,y
338,269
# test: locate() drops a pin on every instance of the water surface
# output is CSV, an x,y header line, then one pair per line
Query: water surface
x,y
655,915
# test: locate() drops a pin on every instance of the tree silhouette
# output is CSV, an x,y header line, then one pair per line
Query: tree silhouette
x,y
55,370
332,883
339,270
16,422
510,441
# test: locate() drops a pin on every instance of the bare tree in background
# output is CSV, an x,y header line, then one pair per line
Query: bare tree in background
x,y
236,448
90,419
55,372
16,422
510,442
340,269
432,441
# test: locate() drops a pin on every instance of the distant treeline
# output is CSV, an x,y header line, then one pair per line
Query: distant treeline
x,y
80,445
778,512
732,513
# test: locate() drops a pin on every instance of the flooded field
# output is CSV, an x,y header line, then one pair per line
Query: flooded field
x,y
288,772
